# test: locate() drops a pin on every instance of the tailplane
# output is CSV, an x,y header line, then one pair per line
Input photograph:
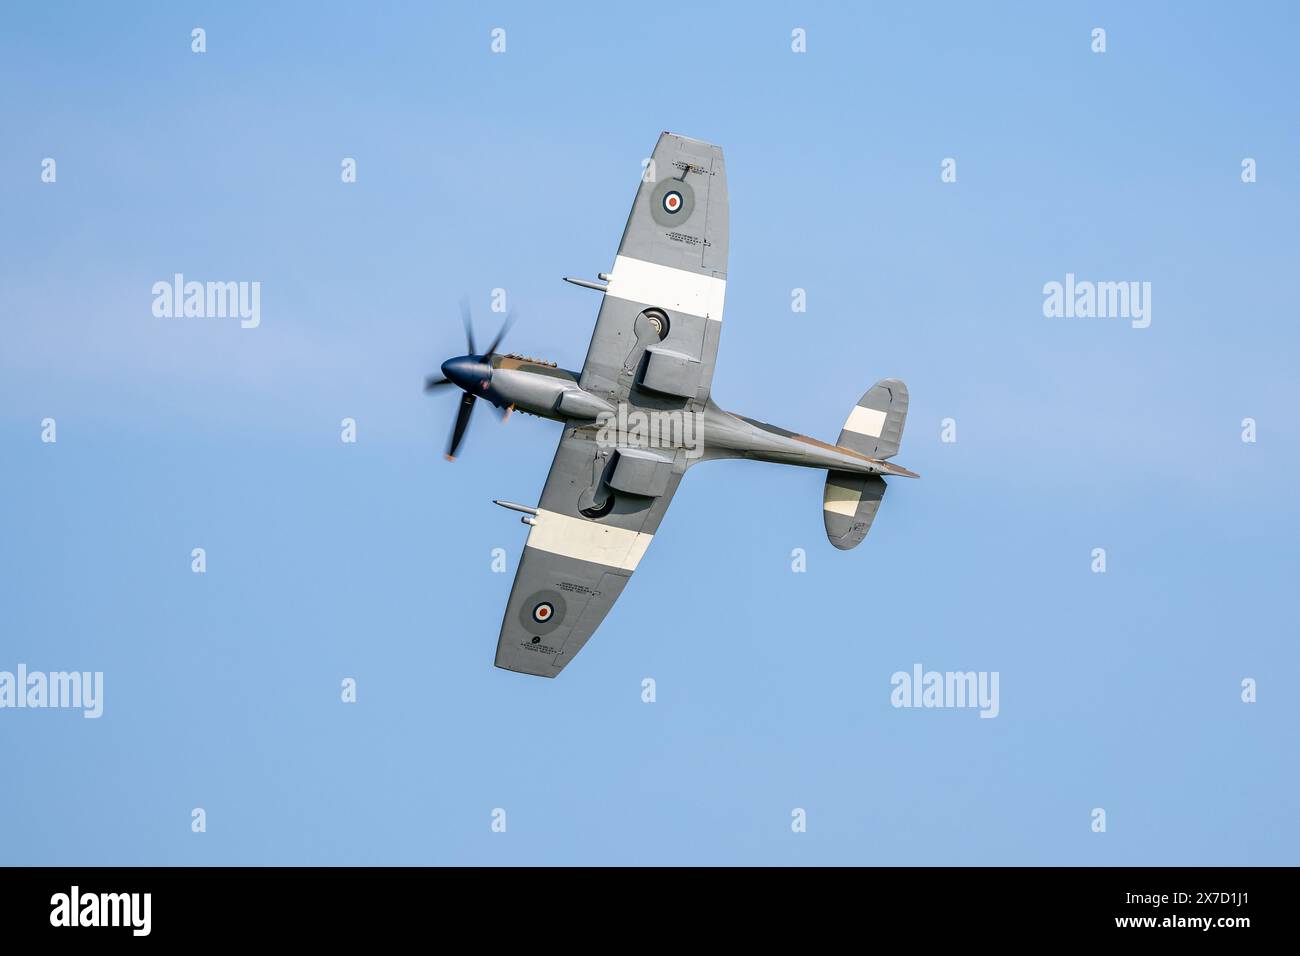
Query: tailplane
x,y
875,429
875,426
849,505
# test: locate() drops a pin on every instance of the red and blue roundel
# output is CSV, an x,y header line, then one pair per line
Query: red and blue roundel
x,y
541,613
672,201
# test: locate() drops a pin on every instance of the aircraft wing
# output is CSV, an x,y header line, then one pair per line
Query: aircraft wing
x,y
654,346
661,316
575,564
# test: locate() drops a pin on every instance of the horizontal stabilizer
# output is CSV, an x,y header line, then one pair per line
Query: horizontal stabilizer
x,y
849,505
875,426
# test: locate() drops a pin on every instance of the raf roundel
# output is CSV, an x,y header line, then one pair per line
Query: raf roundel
x,y
672,202
542,612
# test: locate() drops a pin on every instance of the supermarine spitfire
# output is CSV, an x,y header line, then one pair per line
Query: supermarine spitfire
x,y
651,358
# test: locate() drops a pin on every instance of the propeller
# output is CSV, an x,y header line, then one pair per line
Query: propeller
x,y
505,327
467,365
462,422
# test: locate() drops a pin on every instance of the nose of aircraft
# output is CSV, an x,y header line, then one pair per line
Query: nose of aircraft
x,y
466,371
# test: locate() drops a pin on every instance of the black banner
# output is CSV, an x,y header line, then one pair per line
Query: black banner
x,y
178,905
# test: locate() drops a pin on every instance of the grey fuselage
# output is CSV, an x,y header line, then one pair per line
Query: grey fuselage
x,y
542,389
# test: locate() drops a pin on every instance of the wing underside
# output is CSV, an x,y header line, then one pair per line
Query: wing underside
x,y
661,317
587,540
556,605
652,350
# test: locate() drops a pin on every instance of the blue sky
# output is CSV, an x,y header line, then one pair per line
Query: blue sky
x,y
372,560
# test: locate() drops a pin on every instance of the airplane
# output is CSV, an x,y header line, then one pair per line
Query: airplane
x,y
650,360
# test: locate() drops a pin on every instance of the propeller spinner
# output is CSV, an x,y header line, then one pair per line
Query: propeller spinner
x,y
470,373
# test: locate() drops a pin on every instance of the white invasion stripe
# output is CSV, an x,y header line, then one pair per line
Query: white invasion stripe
x,y
866,421
841,500
587,540
649,283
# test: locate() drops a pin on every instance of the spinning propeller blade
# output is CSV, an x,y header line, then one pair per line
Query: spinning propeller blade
x,y
432,382
462,422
